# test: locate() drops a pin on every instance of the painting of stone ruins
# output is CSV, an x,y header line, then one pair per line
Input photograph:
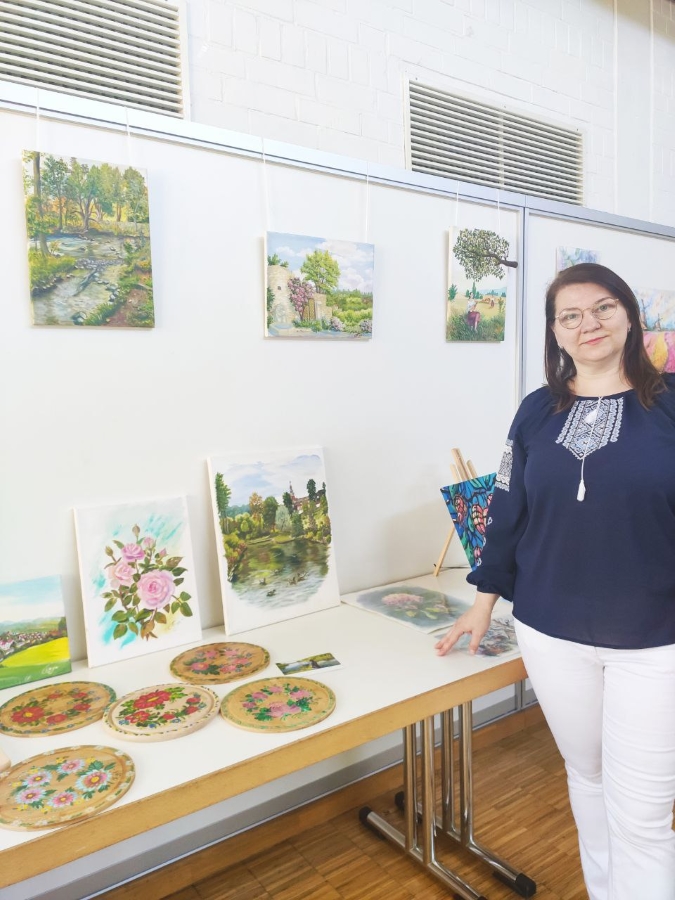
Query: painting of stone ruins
x,y
318,288
88,242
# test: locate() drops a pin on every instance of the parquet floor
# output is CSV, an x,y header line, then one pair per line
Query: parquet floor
x,y
522,813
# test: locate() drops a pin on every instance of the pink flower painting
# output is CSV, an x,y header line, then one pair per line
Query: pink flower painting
x,y
155,588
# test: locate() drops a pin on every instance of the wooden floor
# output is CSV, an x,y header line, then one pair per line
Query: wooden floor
x,y
522,813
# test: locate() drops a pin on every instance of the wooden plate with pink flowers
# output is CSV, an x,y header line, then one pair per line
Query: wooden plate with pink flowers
x,y
161,712
63,786
278,704
220,663
55,708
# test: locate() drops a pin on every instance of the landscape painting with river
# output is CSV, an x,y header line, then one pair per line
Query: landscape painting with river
x,y
274,537
88,242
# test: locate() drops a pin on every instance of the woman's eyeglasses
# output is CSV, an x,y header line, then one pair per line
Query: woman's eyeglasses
x,y
573,317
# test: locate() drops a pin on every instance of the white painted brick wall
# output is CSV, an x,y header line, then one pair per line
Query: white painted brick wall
x,y
331,74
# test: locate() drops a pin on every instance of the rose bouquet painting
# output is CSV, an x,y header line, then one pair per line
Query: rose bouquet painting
x,y
137,573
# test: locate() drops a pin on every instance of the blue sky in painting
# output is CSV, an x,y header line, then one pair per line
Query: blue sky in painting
x,y
39,598
270,479
355,260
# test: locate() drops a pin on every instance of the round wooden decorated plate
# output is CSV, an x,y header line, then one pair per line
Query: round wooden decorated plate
x,y
161,712
278,704
220,663
55,708
63,786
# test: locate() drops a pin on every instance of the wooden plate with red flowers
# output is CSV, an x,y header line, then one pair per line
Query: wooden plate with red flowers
x,y
220,663
52,709
161,712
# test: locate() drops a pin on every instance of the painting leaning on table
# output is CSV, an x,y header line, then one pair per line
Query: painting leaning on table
x,y
88,242
33,636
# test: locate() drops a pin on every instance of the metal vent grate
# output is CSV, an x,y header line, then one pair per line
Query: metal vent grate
x,y
471,141
120,51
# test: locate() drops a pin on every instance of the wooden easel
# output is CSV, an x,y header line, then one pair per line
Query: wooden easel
x,y
461,471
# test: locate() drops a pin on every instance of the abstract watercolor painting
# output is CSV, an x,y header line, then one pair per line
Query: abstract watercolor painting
x,y
273,533
657,314
477,282
138,583
468,503
88,242
572,256
418,607
33,636
318,287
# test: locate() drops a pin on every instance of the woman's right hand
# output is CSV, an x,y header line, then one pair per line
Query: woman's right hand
x,y
474,621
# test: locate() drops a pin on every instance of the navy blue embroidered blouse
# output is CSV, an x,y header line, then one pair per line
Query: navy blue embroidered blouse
x,y
600,571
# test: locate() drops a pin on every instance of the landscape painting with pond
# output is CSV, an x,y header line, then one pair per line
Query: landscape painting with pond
x,y
273,530
88,242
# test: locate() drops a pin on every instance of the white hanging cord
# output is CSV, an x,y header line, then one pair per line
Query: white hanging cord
x,y
266,190
129,156
457,207
499,215
367,201
37,120
581,491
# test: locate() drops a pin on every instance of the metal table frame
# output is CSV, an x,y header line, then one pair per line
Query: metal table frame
x,y
421,820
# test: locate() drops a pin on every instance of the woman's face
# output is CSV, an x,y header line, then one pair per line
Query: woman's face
x,y
594,341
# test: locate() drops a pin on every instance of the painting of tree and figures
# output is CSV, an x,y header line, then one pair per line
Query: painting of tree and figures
x,y
318,288
274,538
477,283
88,242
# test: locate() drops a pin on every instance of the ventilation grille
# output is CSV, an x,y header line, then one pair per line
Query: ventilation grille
x,y
121,51
459,138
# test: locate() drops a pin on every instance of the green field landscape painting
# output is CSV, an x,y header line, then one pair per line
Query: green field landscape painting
x,y
33,636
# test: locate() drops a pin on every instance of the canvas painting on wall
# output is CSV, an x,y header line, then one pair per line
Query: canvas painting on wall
x,y
468,503
33,635
572,256
138,582
318,287
273,534
88,242
417,607
478,262
657,314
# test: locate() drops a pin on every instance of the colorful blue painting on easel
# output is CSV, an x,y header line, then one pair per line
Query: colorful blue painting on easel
x,y
468,503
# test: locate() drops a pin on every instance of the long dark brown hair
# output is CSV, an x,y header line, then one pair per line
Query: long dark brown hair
x,y
638,369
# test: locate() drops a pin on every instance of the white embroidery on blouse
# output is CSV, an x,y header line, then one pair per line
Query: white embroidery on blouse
x,y
591,425
503,480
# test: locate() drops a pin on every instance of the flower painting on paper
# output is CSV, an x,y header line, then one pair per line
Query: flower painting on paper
x,y
468,503
33,636
478,267
274,537
318,288
419,607
572,256
657,315
138,584
88,242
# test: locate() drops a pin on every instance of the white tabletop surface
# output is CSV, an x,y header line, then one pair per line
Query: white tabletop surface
x,y
382,664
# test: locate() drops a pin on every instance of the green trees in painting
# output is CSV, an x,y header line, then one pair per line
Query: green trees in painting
x,y
70,201
482,253
321,268
269,521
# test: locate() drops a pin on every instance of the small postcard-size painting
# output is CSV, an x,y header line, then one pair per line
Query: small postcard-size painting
x,y
421,608
138,581
310,664
468,503
273,532
88,242
477,278
657,315
33,636
572,256
318,287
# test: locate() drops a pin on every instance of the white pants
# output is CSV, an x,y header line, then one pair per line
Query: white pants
x,y
612,714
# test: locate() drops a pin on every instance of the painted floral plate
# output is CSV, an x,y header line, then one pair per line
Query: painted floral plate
x,y
161,712
54,708
278,704
63,786
219,663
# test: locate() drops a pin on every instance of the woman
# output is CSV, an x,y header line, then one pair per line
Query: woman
x,y
581,536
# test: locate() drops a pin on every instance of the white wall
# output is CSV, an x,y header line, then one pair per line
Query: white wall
x,y
331,74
